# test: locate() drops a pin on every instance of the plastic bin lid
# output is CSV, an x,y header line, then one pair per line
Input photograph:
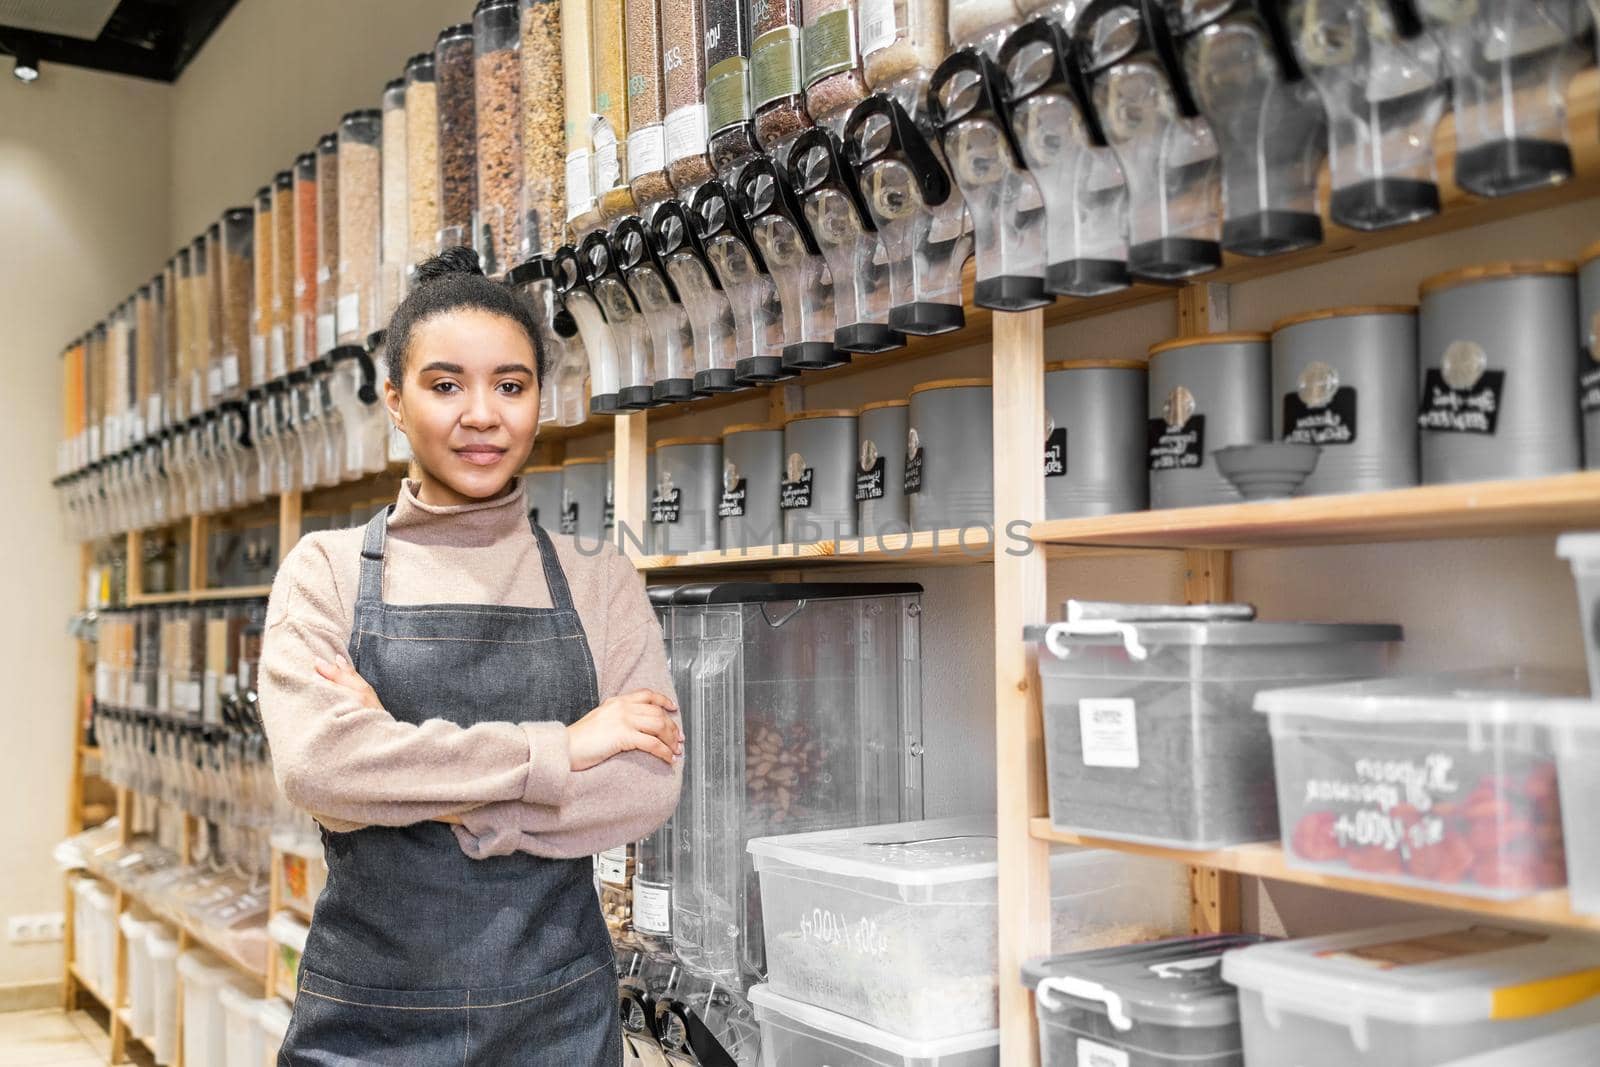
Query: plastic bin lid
x,y
1433,973
783,592
1177,982
1237,634
1574,1047
285,929
766,1001
274,1016
931,852
133,926
661,595
1509,695
240,999
202,967
163,942
1578,546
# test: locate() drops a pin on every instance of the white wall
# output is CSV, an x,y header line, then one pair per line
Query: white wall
x,y
84,181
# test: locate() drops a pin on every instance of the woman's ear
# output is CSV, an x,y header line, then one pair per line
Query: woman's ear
x,y
391,400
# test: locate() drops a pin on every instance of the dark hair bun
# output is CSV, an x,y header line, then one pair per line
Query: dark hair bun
x,y
458,260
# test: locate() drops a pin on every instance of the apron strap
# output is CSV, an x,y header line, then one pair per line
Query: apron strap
x,y
554,578
370,591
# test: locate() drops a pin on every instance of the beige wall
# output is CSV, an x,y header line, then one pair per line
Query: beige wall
x,y
276,76
83,209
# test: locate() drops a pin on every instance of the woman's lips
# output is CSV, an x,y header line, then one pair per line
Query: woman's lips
x,y
481,455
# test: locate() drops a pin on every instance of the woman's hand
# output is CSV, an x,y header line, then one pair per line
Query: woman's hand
x,y
640,721
341,673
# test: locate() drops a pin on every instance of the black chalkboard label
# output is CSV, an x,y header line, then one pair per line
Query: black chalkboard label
x,y
1589,390
1474,410
569,518
732,504
665,509
796,494
1334,424
869,483
913,482
1055,453
1177,450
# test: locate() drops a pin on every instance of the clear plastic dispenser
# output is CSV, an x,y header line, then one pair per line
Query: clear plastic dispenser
x,y
825,180
920,215
1383,84
635,354
665,317
561,399
805,287
353,383
572,285
1167,150
1078,176
711,317
732,252
1510,62
498,128
803,712
967,99
1268,120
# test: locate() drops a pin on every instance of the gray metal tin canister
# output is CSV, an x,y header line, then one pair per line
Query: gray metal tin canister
x,y
583,500
818,493
752,467
1206,393
686,492
1589,338
1094,438
543,488
1499,361
1346,379
950,454
881,469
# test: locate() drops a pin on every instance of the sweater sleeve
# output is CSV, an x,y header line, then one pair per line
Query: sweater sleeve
x,y
353,766
619,801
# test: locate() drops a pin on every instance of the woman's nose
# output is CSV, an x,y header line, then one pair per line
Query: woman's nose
x,y
481,412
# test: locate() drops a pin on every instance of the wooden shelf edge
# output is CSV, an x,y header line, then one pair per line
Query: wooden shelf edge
x,y
89,987
1430,512
1266,860
240,592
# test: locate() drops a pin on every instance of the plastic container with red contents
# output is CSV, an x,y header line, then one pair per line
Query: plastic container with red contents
x,y
1445,781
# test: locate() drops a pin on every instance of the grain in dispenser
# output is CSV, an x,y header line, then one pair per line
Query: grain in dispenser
x,y
360,225
1498,359
1346,379
881,508
949,471
1206,393
543,146
498,120
752,468
458,136
686,494
1095,449
817,495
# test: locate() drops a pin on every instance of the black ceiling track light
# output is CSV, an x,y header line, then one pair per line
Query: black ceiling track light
x,y
154,39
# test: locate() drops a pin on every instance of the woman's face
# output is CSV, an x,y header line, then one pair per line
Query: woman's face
x,y
469,406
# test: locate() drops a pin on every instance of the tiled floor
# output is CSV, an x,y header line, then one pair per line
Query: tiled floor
x,y
51,1039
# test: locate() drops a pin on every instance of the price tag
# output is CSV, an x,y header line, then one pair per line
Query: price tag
x,y
580,183
647,152
230,371
349,317
1109,728
326,331
613,866
686,133
652,908
1094,1054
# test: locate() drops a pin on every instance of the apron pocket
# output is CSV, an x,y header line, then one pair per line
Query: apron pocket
x,y
555,982
424,1000
336,1024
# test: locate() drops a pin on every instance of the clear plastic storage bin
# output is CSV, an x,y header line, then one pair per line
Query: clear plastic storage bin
x,y
141,976
896,926
1582,550
1575,732
1149,734
803,712
164,969
1415,995
1567,1048
1155,1004
1443,781
274,1022
799,1035
204,1029
243,1042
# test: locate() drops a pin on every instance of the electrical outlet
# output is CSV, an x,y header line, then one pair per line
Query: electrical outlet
x,y
36,929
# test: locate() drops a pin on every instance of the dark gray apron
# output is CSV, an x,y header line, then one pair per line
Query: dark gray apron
x,y
418,955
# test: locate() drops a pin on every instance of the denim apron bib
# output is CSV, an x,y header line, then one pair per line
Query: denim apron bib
x,y
418,955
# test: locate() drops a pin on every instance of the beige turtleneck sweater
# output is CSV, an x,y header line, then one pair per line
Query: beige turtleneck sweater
x,y
511,784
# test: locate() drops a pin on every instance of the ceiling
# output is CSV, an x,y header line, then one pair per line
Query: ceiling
x,y
152,39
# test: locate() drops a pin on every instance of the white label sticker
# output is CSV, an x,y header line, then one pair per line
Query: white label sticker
x,y
326,332
613,866
349,315
258,358
1094,1054
1110,731
214,382
210,698
652,908
686,132
102,682
647,152
197,400
230,371
877,25
280,354
607,166
139,694
152,413
580,183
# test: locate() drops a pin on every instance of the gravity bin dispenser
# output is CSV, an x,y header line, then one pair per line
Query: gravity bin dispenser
x,y
1079,178
578,300
711,322
1167,149
733,254
1383,84
665,318
803,711
629,331
967,102
1267,118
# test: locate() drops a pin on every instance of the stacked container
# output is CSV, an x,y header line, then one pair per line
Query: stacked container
x,y
949,472
360,226
423,218
1206,393
1099,404
583,499
237,287
286,225
817,491
498,125
544,495
752,468
396,241
327,333
881,507
687,491
458,137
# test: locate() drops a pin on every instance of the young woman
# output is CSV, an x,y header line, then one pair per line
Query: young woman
x,y
470,708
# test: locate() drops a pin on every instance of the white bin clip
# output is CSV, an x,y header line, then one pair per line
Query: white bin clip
x,y
1083,990
1054,637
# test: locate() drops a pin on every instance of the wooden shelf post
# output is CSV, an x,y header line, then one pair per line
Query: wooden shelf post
x,y
629,493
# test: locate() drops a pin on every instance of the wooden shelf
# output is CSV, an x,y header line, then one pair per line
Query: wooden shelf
x,y
239,592
1478,509
975,544
1267,861
89,987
